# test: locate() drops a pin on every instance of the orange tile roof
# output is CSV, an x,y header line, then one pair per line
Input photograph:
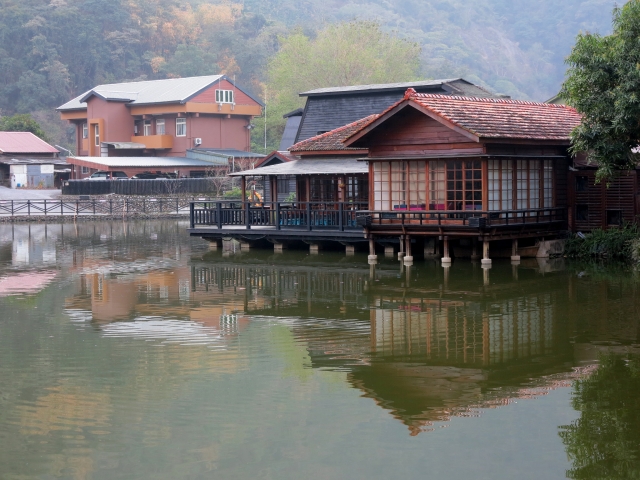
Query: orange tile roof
x,y
332,141
497,117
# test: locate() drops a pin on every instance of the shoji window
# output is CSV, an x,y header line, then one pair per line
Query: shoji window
x,y
522,184
381,192
398,186
547,184
437,186
534,184
500,185
417,185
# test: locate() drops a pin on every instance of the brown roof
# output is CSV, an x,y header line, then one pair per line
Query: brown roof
x,y
332,141
23,142
497,117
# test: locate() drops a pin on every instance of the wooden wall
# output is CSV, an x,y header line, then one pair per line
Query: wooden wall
x,y
601,201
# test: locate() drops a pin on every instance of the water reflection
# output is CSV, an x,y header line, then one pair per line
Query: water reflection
x,y
137,336
605,441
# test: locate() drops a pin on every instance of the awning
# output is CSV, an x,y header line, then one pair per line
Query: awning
x,y
126,145
342,166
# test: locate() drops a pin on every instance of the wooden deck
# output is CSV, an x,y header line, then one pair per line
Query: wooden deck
x,y
343,222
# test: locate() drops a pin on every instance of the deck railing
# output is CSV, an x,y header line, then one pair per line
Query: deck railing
x,y
343,216
462,218
339,216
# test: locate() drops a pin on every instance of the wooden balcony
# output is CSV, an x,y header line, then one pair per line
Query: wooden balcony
x,y
338,220
156,142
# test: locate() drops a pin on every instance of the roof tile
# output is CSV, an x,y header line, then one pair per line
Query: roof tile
x,y
332,141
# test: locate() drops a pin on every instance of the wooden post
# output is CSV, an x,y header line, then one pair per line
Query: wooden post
x,y
446,259
514,251
486,261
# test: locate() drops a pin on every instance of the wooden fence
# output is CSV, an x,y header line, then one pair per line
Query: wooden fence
x,y
111,207
138,187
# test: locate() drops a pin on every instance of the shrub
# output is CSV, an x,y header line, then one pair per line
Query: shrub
x,y
615,243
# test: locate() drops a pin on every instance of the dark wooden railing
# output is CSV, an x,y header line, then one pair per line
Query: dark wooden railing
x,y
461,218
339,216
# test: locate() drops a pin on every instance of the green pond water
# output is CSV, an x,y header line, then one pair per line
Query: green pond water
x,y
131,351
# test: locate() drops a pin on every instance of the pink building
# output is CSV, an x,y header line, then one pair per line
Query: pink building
x,y
161,118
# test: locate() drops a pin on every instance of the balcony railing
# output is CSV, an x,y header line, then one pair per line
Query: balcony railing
x,y
339,216
154,141
343,216
461,218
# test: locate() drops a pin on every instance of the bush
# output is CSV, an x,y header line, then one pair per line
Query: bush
x,y
620,243
234,194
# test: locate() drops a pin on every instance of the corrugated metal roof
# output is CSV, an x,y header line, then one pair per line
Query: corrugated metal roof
x,y
144,162
338,166
172,90
229,152
381,86
24,142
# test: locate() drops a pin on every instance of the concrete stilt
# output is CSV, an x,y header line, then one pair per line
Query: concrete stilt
x,y
401,253
486,261
245,246
389,251
278,247
446,259
408,258
447,271
514,251
314,248
485,274
214,244
350,249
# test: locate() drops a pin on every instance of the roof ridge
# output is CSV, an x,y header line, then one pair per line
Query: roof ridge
x,y
506,101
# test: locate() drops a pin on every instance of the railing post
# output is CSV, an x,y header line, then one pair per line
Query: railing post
x,y
28,208
340,219
219,214
177,207
12,208
45,208
94,206
277,215
61,208
247,217
308,215
144,205
110,206
191,215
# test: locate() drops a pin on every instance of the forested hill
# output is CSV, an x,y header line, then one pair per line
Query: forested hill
x,y
515,47
51,50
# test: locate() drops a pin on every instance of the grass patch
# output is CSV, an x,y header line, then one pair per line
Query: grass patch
x,y
616,244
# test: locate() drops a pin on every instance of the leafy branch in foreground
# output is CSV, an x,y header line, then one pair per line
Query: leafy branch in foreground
x,y
603,84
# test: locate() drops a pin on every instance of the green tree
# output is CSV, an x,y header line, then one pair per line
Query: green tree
x,y
349,53
603,84
604,443
22,122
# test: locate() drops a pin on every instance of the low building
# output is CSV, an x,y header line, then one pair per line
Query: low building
x,y
28,161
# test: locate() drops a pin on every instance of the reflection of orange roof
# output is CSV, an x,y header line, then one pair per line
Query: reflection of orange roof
x,y
25,283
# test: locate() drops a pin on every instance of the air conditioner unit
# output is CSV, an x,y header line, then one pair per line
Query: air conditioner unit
x,y
197,141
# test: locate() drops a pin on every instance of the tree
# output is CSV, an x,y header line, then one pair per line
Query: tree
x,y
605,441
22,122
603,84
349,53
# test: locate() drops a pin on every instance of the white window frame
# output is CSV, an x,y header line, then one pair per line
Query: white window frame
x,y
160,126
146,128
181,127
84,170
96,133
85,130
224,96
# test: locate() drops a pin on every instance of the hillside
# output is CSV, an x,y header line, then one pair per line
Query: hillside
x,y
51,50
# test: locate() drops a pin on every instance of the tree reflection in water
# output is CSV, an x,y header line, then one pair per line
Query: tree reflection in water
x,y
605,441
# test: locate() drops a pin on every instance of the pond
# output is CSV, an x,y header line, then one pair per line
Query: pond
x,y
129,350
